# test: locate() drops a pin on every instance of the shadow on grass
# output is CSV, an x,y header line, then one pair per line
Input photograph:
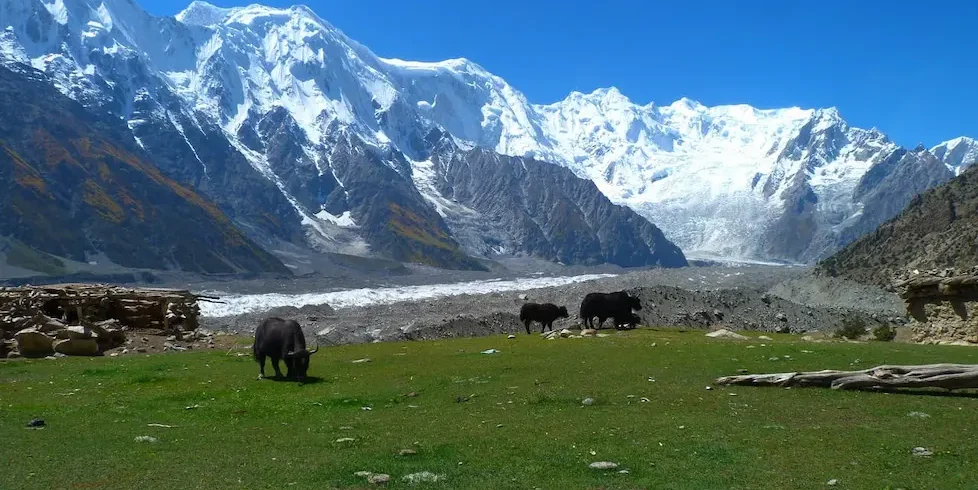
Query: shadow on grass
x,y
934,392
310,380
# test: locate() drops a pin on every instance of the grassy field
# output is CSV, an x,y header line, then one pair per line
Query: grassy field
x,y
513,419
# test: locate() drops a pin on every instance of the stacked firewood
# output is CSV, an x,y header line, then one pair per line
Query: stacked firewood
x,y
85,319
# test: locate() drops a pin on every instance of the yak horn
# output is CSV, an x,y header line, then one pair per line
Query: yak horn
x,y
314,350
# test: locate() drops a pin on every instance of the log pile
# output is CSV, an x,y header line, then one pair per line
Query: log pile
x,y
85,319
943,305
946,376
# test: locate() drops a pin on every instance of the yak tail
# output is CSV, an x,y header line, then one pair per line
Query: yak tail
x,y
254,346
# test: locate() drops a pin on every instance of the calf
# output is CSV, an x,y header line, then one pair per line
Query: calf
x,y
544,313
282,339
628,321
607,305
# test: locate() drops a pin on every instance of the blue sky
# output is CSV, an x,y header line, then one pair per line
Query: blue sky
x,y
908,68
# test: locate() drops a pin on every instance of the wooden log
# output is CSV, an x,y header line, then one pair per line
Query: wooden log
x,y
947,376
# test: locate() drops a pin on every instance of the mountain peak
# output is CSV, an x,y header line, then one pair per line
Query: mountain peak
x,y
960,140
458,65
204,14
200,13
827,118
958,153
828,113
603,96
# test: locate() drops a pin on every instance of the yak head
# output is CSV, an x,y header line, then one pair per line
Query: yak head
x,y
635,303
300,362
562,312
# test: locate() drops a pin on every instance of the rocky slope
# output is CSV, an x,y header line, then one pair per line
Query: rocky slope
x,y
303,136
75,185
938,229
735,298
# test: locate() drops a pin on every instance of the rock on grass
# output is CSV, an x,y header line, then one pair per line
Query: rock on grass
x,y
422,477
603,465
922,452
726,334
378,478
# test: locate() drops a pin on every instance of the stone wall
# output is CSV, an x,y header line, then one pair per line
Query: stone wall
x,y
943,306
89,319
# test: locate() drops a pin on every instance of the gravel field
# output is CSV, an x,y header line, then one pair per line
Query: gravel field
x,y
764,298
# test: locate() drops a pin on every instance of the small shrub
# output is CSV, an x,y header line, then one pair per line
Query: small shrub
x,y
884,333
852,328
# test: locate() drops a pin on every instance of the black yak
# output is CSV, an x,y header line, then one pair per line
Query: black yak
x,y
282,339
544,313
608,305
628,321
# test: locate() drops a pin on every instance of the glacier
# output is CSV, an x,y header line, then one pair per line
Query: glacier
x,y
232,305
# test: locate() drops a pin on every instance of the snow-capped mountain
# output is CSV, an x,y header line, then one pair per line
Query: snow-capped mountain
x,y
299,132
958,154
302,135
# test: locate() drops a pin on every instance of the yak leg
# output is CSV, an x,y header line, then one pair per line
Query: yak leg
x,y
261,363
526,323
278,372
601,320
289,368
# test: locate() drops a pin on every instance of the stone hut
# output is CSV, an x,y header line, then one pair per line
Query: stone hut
x,y
943,305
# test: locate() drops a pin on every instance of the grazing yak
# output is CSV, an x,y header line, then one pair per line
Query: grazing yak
x,y
282,339
618,305
544,313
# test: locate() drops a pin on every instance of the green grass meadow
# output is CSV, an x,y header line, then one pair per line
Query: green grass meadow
x,y
510,420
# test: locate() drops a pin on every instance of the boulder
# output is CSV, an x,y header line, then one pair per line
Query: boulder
x,y
111,339
75,333
47,324
6,347
588,332
726,334
77,347
14,324
102,329
32,343
565,333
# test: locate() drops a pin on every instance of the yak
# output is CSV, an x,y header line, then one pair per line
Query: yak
x,y
544,313
627,322
607,305
282,339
